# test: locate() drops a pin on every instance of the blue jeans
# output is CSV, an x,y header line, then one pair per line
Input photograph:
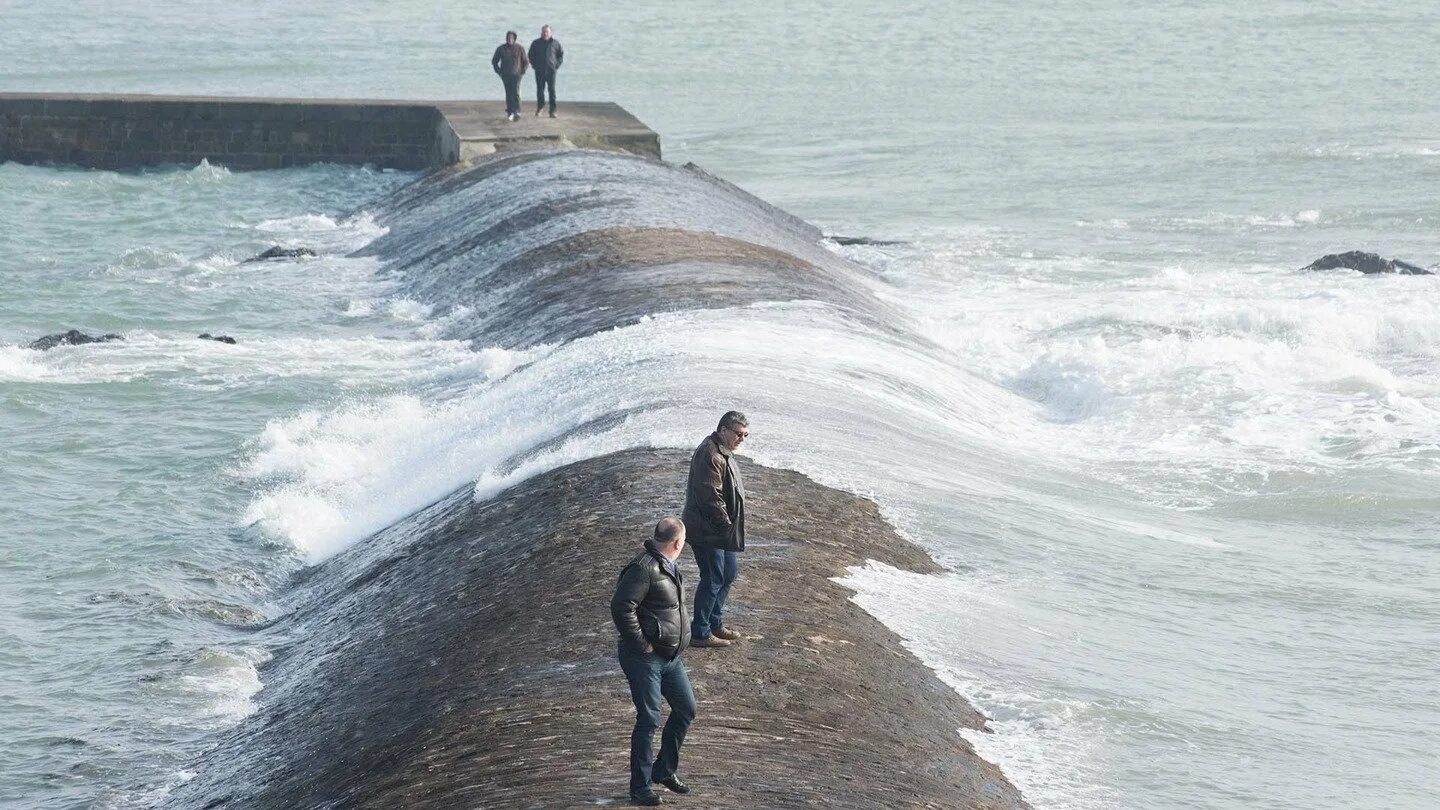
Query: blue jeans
x,y
718,569
652,675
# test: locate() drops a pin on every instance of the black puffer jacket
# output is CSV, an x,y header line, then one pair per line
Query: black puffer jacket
x,y
648,606
714,498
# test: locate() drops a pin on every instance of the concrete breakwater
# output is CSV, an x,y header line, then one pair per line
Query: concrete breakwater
x,y
466,659
131,131
464,656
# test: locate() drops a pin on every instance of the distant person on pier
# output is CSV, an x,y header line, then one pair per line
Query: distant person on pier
x,y
649,611
546,56
510,64
715,522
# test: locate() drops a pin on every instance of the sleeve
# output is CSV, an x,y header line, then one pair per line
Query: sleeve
x,y
559,54
524,60
495,60
630,591
710,490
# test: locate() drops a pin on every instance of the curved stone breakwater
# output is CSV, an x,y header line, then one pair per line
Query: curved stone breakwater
x,y
473,664
464,657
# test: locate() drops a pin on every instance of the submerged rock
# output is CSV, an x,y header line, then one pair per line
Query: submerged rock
x,y
74,337
218,338
1367,263
860,240
279,252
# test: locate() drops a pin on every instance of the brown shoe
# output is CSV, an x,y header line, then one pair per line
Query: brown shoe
x,y
727,634
709,642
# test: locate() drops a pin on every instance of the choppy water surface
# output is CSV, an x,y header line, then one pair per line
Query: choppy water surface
x,y
1187,492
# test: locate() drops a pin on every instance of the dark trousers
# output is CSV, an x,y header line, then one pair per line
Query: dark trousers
x,y
652,676
718,569
512,93
542,81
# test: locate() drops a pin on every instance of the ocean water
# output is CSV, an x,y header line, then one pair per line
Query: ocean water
x,y
1187,493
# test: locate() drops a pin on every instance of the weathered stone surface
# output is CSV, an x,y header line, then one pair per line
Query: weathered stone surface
x,y
1367,263
73,337
218,338
465,658
278,252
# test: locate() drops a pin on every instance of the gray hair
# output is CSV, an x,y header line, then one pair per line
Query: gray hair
x,y
668,530
733,419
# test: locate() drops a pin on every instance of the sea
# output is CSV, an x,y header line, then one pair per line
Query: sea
x,y
1186,492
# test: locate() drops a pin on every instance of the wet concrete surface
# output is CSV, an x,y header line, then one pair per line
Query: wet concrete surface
x,y
465,658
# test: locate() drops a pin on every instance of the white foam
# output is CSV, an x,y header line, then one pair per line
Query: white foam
x,y
147,258
330,479
437,327
1185,382
223,684
408,310
205,172
24,365
185,361
359,308
324,232
301,223
1049,747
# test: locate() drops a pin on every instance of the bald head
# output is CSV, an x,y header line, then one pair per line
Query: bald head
x,y
670,537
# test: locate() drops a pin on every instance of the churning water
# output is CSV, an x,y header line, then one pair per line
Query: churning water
x,y
1187,492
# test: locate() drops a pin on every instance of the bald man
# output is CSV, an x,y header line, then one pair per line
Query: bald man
x,y
649,612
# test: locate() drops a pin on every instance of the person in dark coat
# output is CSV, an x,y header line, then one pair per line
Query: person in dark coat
x,y
715,522
510,63
649,612
546,56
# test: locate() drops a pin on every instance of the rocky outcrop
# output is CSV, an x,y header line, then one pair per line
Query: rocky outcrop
x,y
279,252
860,240
1367,263
465,657
73,337
218,338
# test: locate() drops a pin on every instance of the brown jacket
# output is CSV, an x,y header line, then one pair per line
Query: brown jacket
x,y
714,513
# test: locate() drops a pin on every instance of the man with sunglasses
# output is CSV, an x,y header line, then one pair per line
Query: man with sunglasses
x,y
714,519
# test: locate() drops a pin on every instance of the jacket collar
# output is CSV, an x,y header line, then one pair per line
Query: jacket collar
x,y
665,564
719,445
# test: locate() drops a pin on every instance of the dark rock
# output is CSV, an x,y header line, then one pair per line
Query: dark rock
x,y
74,337
860,240
1367,263
278,252
218,338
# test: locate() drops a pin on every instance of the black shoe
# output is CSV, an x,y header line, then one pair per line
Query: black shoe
x,y
552,113
646,798
674,785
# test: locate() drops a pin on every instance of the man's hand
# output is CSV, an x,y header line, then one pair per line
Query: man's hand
x,y
649,648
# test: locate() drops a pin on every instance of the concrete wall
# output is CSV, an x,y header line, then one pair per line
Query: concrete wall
x,y
123,132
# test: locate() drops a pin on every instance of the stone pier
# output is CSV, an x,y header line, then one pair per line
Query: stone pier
x,y
134,131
